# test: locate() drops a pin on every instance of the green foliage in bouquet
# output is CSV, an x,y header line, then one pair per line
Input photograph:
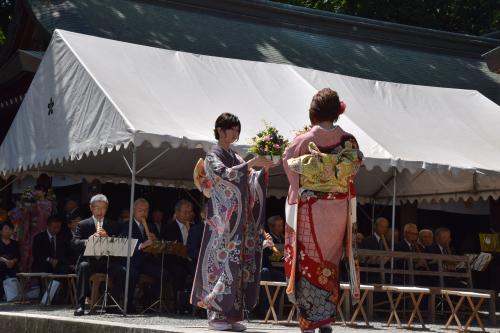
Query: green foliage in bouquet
x,y
303,130
268,142
28,195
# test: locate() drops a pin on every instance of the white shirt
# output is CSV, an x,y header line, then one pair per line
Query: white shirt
x,y
377,237
410,245
184,232
441,248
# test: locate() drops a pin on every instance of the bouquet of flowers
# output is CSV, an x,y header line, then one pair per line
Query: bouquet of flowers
x,y
303,130
269,143
39,195
51,196
28,197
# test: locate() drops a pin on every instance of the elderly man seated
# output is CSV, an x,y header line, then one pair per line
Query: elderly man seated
x,y
377,241
409,244
442,246
425,239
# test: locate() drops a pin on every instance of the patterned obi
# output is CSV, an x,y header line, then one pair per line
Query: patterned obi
x,y
327,174
305,194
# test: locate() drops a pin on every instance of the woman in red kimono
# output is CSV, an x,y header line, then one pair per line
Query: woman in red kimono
x,y
320,165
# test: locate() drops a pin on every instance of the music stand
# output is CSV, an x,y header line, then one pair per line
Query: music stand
x,y
159,300
108,247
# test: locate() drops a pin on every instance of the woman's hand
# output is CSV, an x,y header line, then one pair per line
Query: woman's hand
x,y
261,162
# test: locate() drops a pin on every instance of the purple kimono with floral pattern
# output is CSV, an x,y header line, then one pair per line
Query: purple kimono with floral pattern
x,y
227,276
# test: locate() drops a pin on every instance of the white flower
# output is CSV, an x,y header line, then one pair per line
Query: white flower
x,y
305,271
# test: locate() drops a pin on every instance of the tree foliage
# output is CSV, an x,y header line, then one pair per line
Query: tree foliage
x,y
6,7
474,17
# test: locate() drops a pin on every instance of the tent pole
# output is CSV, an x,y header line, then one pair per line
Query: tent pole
x,y
129,249
373,215
393,217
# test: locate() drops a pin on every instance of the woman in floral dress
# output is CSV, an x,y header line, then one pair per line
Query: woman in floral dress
x,y
227,276
320,165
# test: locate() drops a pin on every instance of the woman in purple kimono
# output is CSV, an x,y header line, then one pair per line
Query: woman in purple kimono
x,y
227,276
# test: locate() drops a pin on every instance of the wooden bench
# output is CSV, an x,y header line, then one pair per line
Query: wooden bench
x,y
416,296
376,262
345,288
23,279
272,300
455,307
373,261
71,279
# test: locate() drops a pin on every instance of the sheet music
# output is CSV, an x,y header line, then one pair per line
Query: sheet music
x,y
478,262
108,246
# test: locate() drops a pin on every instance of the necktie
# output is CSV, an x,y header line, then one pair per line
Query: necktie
x,y
141,228
381,244
52,247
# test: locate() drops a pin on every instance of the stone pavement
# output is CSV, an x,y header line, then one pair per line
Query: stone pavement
x,y
31,318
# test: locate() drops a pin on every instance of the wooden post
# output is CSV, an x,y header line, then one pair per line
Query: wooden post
x,y
412,272
440,269
432,308
370,305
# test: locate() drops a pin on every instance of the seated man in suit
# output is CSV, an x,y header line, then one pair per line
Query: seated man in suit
x,y
425,239
157,222
96,226
51,250
442,246
143,262
409,244
195,236
178,265
272,255
376,241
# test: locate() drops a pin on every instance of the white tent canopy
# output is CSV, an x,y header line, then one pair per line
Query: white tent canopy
x,y
92,98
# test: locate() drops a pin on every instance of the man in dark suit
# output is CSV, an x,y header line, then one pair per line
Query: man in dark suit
x,y
51,250
96,226
442,246
194,239
425,239
177,230
271,269
143,262
409,244
376,241
157,225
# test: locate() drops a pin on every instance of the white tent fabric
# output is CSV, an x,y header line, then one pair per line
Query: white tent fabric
x,y
92,97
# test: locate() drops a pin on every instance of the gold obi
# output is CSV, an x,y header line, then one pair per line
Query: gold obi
x,y
327,172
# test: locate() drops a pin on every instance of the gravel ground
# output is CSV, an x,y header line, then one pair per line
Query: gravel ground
x,y
192,324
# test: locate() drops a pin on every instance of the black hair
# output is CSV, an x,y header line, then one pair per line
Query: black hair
x,y
7,223
226,121
54,218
